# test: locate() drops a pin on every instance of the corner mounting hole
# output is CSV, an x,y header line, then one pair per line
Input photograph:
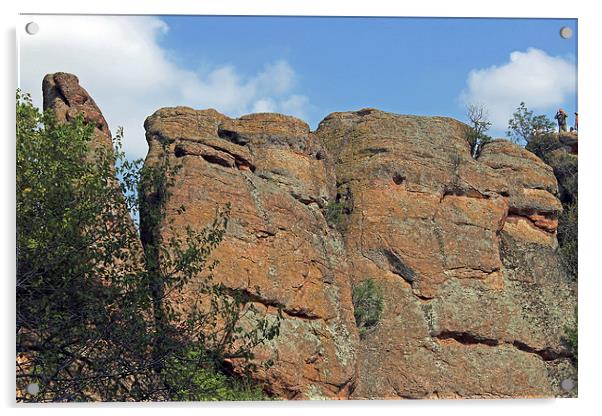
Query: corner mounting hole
x,y
566,32
32,388
567,384
32,28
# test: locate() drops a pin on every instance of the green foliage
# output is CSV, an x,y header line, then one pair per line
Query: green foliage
x,y
543,144
194,378
96,312
335,213
524,123
368,305
69,234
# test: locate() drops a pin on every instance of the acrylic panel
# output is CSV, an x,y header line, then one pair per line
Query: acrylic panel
x,y
294,208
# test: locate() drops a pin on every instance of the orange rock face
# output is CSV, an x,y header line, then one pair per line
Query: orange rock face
x,y
475,302
275,174
475,298
67,99
465,251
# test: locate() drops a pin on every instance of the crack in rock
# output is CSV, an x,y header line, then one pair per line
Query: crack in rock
x,y
467,338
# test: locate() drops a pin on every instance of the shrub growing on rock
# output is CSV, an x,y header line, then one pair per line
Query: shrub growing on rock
x,y
368,305
338,210
543,144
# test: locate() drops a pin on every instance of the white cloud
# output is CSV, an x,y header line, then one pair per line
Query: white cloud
x,y
120,62
542,81
296,105
265,105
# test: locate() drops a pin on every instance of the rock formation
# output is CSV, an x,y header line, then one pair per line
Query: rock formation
x,y
67,99
277,177
474,296
475,300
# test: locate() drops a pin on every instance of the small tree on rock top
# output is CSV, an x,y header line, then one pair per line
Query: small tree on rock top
x,y
524,124
479,124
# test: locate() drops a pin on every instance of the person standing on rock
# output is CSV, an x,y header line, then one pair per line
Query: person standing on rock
x,y
561,116
576,121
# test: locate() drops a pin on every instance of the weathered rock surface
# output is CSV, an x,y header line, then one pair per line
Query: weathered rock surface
x,y
67,99
571,141
275,174
475,301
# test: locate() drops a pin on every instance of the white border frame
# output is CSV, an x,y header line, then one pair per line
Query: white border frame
x,y
590,204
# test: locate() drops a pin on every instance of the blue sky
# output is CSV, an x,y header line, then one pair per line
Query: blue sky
x,y
306,66
403,65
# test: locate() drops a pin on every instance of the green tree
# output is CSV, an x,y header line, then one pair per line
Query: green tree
x,y
524,123
95,310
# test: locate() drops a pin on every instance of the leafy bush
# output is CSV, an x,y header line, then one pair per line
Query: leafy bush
x,y
335,213
191,376
368,305
543,144
524,123
95,315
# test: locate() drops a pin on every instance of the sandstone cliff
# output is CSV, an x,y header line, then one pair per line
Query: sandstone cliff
x,y
278,178
475,300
